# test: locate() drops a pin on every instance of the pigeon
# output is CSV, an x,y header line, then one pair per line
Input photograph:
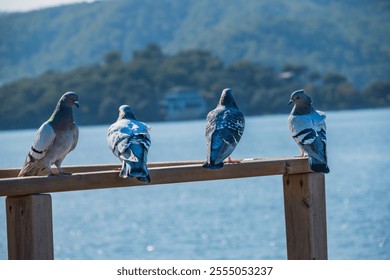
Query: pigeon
x,y
54,139
130,141
224,128
308,129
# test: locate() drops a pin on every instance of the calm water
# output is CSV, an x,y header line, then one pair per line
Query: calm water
x,y
230,219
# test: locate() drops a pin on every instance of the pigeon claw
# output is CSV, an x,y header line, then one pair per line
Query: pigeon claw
x,y
301,155
230,160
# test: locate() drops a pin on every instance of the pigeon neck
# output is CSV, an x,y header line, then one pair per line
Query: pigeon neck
x,y
126,116
228,104
62,117
301,110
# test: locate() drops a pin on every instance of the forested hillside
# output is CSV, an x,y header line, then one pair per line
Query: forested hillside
x,y
351,37
142,81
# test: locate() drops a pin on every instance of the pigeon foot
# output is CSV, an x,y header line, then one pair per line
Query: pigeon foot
x,y
301,155
229,160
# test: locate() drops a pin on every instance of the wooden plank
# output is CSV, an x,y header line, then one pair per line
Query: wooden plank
x,y
159,175
13,172
305,215
30,227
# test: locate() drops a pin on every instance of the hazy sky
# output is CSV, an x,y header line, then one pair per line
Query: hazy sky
x,y
28,5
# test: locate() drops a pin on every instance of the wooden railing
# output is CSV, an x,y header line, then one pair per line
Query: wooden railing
x,y
29,205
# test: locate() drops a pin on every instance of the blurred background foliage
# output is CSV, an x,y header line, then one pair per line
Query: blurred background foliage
x,y
142,82
131,51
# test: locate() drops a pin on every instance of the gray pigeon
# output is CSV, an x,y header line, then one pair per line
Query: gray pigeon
x,y
130,141
54,139
308,129
224,128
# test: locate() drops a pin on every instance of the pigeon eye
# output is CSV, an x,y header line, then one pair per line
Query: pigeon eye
x,y
297,97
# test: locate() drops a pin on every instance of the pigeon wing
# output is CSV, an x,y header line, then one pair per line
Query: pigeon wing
x,y
141,133
124,132
117,132
43,140
309,132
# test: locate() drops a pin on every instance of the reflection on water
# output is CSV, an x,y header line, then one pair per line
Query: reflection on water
x,y
230,219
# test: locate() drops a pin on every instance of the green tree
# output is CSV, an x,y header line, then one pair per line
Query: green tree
x,y
113,57
142,81
377,94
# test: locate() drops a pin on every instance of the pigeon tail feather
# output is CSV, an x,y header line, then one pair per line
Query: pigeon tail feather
x,y
29,170
30,167
212,166
318,166
145,179
131,169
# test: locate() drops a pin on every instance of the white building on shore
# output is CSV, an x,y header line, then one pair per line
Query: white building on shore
x,y
184,104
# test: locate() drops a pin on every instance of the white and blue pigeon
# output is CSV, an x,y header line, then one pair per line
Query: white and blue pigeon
x,y
224,128
54,139
130,141
308,129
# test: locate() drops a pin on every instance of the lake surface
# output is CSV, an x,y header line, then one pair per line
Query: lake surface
x,y
229,219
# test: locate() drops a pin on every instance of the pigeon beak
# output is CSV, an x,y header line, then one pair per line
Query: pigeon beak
x,y
290,102
77,104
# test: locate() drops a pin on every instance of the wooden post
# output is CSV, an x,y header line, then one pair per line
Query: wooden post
x,y
305,214
30,227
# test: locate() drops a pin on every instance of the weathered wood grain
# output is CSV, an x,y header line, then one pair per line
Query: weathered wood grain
x,y
13,172
159,175
30,227
305,216
29,216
